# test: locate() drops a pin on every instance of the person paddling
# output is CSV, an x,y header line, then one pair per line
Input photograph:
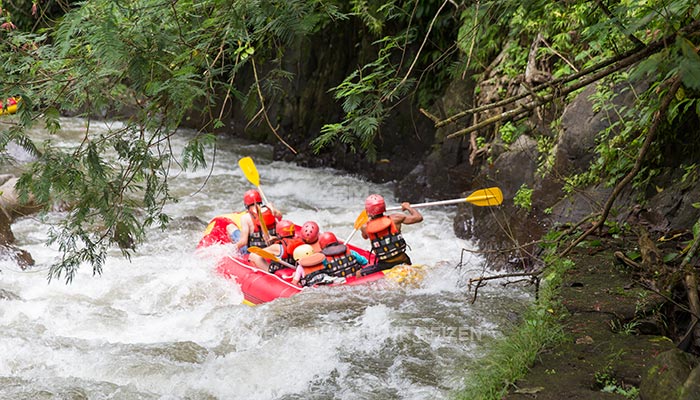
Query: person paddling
x,y
283,248
384,233
340,260
252,233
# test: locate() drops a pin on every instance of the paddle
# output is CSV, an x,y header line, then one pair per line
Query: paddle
x,y
248,167
263,226
483,197
269,256
361,220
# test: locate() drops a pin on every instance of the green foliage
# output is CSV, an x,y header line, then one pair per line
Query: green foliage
x,y
510,132
364,94
609,384
523,198
158,59
161,60
405,64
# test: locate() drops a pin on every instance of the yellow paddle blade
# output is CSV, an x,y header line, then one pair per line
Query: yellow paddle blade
x,y
486,197
248,167
263,253
361,219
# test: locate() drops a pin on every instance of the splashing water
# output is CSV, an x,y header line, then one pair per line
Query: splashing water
x,y
166,326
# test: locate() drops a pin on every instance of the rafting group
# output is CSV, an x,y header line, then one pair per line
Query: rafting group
x,y
274,243
273,257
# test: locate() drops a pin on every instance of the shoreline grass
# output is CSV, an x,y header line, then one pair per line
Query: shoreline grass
x,y
512,356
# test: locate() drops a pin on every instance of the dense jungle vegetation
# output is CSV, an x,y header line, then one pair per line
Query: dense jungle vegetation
x,y
156,61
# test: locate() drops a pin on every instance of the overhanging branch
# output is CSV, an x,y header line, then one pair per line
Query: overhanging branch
x,y
554,89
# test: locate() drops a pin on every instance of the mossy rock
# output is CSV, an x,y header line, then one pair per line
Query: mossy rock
x,y
691,389
666,377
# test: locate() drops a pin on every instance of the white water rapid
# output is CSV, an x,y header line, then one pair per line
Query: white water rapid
x,y
165,326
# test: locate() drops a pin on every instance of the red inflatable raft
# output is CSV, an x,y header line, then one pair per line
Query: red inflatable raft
x,y
260,286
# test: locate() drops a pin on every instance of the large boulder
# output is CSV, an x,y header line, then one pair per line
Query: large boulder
x,y
667,375
11,208
9,199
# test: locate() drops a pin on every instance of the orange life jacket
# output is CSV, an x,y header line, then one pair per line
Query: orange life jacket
x,y
385,239
314,268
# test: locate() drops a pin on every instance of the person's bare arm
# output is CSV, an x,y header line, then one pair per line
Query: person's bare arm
x,y
245,231
277,213
413,216
363,231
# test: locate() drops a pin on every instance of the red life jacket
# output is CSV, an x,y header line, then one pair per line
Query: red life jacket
x,y
385,239
340,262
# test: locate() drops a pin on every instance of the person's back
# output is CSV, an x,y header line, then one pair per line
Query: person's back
x,y
340,260
384,233
311,266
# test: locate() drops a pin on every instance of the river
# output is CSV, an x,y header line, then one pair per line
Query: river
x,y
164,325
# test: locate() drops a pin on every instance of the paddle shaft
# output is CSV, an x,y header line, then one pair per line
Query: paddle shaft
x,y
263,226
262,195
359,221
431,203
351,235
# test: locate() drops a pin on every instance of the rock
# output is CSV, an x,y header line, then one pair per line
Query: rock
x,y
691,388
666,376
9,201
445,172
7,295
580,125
6,235
18,256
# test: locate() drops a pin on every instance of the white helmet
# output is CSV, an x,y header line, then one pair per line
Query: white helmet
x,y
303,251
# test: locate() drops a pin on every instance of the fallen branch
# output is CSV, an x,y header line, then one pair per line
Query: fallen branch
x,y
593,74
626,260
481,281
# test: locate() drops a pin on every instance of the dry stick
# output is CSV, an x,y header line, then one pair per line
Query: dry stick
x,y
626,260
471,45
660,114
501,276
537,88
264,110
482,280
635,54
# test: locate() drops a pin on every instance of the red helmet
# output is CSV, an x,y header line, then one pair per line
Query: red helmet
x,y
285,228
326,239
251,197
374,204
309,232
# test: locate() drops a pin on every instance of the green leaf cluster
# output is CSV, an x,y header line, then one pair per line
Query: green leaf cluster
x,y
153,62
